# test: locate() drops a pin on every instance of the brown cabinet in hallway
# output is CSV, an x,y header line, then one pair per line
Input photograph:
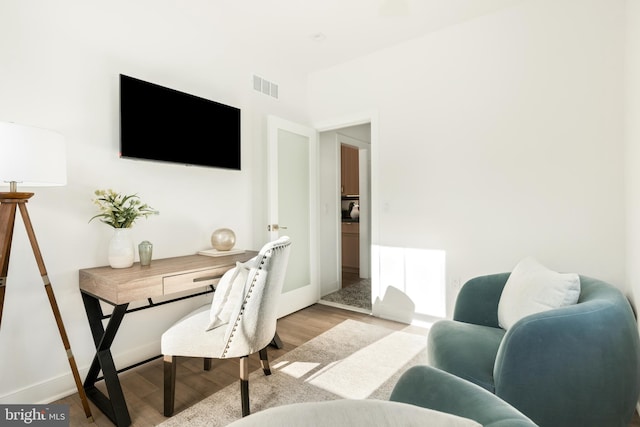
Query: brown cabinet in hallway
x,y
350,247
349,170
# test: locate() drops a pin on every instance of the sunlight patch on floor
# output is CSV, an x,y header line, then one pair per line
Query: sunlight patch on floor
x,y
352,378
296,369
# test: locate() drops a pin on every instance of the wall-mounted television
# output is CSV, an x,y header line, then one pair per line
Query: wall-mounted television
x,y
163,124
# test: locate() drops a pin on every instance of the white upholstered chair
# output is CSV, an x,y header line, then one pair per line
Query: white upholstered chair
x,y
240,321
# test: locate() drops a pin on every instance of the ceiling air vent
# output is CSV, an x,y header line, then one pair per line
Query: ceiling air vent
x,y
265,86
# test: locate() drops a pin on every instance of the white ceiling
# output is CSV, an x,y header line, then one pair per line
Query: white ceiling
x,y
283,30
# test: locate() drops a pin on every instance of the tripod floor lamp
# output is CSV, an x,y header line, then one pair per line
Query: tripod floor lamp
x,y
32,157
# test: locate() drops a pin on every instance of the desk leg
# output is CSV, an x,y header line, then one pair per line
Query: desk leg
x,y
114,406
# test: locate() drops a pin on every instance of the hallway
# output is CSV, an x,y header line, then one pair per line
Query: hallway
x,y
354,295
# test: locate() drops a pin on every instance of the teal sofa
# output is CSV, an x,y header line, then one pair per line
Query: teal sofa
x,y
577,365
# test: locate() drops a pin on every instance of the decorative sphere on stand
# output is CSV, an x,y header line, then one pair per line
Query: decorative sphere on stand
x,y
223,239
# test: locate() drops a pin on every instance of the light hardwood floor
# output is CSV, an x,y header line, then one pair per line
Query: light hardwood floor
x,y
142,386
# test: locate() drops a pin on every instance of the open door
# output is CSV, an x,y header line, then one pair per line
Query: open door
x,y
292,203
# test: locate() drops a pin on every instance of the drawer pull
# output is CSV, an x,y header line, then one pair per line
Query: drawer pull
x,y
195,279
204,279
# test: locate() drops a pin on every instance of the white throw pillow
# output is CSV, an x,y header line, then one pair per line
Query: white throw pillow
x,y
533,288
229,293
220,297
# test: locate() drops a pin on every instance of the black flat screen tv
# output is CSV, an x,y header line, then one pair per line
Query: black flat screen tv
x,y
163,124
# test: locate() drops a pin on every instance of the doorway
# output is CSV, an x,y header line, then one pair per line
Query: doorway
x,y
346,203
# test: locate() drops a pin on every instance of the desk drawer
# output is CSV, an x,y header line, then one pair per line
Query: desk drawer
x,y
196,279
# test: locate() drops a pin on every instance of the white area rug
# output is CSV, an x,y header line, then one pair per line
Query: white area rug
x,y
352,360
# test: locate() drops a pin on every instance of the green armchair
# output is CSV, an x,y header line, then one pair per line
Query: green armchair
x,y
432,388
577,365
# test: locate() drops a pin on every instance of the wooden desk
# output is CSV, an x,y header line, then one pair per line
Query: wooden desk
x,y
191,275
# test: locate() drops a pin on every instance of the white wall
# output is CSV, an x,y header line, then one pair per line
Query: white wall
x,y
498,138
632,139
59,66
328,182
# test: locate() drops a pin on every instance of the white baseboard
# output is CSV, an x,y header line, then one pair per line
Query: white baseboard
x,y
345,307
62,386
43,392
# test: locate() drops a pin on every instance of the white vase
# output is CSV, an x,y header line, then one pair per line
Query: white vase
x,y
355,212
121,252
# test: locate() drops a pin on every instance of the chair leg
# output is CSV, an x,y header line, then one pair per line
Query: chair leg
x,y
244,385
207,363
264,361
276,341
169,384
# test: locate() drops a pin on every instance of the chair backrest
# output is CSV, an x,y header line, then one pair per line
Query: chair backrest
x,y
253,323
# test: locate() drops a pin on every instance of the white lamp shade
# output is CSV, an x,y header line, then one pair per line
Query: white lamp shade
x,y
31,157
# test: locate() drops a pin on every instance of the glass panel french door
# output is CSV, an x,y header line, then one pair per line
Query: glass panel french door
x,y
292,208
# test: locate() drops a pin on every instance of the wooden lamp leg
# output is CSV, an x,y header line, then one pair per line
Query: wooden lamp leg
x,y
7,220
